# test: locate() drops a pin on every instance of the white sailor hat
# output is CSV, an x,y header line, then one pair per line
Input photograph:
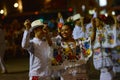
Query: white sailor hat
x,y
36,23
76,17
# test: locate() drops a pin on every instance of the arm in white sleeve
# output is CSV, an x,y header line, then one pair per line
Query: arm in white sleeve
x,y
25,39
74,34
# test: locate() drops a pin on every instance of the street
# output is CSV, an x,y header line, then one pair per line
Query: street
x,y
17,67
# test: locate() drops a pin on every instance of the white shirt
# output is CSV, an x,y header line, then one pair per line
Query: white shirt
x,y
77,32
88,30
39,55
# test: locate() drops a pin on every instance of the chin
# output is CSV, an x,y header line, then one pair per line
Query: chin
x,y
65,38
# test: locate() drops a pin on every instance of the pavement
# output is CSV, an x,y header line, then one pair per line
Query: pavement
x,y
18,67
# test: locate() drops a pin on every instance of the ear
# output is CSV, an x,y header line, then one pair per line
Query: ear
x,y
34,30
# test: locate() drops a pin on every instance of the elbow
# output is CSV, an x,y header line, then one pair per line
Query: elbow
x,y
23,46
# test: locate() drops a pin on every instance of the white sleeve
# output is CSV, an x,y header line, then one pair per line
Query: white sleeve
x,y
77,34
61,20
25,39
74,34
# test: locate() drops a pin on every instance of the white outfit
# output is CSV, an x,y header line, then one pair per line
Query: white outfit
x,y
2,50
88,30
111,36
116,52
101,56
39,55
105,74
77,32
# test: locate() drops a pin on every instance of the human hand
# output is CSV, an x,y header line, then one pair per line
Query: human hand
x,y
59,15
27,24
45,29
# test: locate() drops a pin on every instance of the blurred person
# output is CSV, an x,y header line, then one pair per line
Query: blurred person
x,y
79,29
52,24
39,50
82,31
116,49
101,55
60,21
2,50
88,26
60,18
88,30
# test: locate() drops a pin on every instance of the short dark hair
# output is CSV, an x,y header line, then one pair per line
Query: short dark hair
x,y
70,24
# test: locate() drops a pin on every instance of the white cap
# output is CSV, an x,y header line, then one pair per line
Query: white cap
x,y
36,23
75,17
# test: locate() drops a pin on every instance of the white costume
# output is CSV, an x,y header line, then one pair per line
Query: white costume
x,y
78,33
116,52
101,55
39,55
88,30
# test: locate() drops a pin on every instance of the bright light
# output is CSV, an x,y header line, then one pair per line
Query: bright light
x,y
1,11
102,3
83,7
20,7
91,12
103,11
47,1
15,5
113,12
106,14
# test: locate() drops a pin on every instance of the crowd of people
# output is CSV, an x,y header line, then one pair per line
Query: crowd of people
x,y
62,49
63,54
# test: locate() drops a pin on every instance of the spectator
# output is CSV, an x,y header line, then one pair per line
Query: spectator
x,y
2,50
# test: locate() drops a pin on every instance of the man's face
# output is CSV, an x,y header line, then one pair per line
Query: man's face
x,y
39,32
78,22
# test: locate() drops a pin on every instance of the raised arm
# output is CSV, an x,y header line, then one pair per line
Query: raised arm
x,y
82,24
26,35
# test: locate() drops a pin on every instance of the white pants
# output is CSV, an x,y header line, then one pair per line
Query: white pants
x,y
2,64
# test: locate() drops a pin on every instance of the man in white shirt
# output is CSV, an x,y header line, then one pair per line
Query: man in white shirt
x,y
38,48
79,29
